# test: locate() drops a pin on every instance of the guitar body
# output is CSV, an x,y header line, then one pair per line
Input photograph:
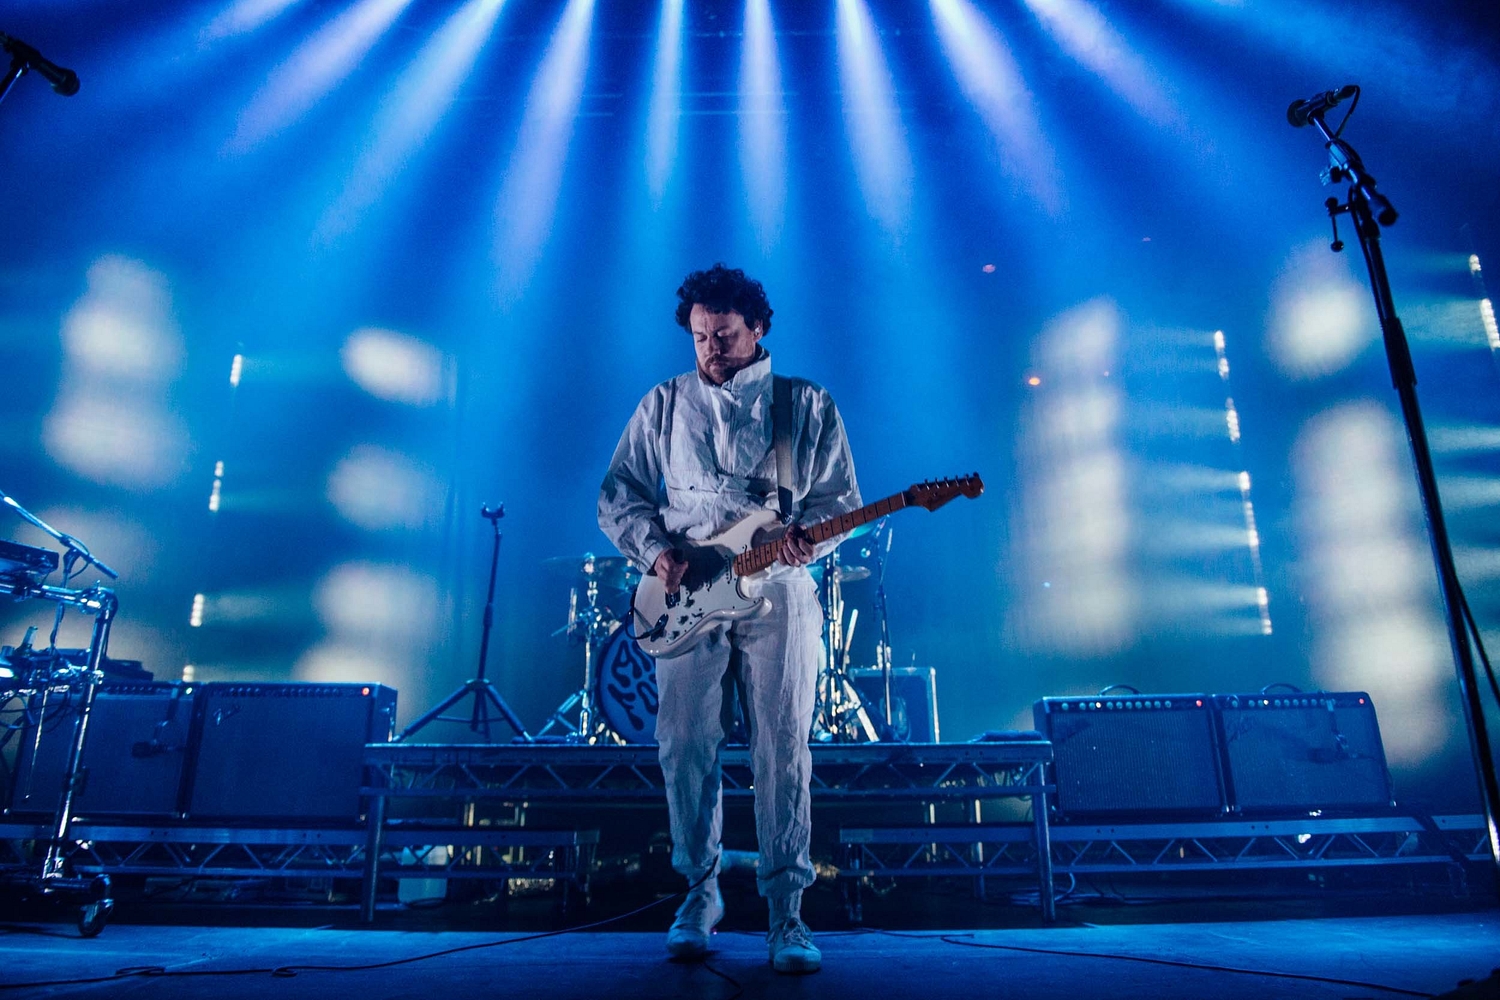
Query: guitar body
x,y
714,589
712,593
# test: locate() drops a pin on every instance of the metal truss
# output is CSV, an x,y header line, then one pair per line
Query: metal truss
x,y
406,851
849,773
982,850
843,772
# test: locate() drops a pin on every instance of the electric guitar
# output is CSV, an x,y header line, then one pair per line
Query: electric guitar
x,y
713,589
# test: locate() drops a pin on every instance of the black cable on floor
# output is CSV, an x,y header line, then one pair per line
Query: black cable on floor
x,y
952,939
288,971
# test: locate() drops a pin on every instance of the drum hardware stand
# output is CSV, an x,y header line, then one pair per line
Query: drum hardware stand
x,y
481,688
1370,210
592,624
880,548
841,716
54,879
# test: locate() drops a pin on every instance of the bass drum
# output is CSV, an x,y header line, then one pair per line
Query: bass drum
x,y
626,695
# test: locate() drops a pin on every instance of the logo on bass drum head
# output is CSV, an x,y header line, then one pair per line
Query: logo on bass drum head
x,y
627,688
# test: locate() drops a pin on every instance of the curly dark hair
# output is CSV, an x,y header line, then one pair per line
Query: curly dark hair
x,y
724,289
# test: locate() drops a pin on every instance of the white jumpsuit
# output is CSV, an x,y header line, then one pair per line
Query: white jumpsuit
x,y
694,459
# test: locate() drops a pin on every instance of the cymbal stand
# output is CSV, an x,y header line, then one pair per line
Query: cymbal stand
x,y
880,547
592,624
486,696
841,716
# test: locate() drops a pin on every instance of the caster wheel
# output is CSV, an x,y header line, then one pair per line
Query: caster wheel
x,y
93,916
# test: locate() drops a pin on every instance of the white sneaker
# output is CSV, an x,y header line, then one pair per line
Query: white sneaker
x,y
696,919
792,948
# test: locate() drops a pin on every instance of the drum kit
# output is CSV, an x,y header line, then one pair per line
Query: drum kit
x,y
617,703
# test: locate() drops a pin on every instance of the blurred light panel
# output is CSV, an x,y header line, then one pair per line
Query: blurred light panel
x,y
111,421
396,367
992,82
1321,318
408,116
1470,492
528,195
1491,330
665,116
1463,439
1082,31
1371,589
1447,320
244,16
377,602
383,490
1477,563
122,329
882,161
336,662
1079,597
314,69
762,125
379,620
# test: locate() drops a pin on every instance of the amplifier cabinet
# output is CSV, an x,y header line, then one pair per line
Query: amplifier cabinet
x,y
133,754
286,751
1122,755
1295,753
914,714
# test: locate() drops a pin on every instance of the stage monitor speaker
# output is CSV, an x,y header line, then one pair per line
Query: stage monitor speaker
x,y
285,751
133,754
1298,753
914,714
1133,755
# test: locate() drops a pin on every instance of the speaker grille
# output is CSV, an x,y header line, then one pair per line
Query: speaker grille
x,y
1304,752
1132,755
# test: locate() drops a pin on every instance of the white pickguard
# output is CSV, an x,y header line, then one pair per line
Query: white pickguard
x,y
711,594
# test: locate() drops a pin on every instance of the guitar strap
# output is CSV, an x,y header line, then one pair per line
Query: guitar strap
x,y
781,435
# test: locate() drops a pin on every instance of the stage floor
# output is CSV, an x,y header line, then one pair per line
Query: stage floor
x,y
1411,955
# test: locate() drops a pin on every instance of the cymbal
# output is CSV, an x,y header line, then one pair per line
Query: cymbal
x,y
846,574
610,572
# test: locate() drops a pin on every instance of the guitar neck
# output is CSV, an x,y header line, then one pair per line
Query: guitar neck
x,y
755,559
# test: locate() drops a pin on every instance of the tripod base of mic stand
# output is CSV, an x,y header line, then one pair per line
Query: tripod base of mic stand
x,y
488,708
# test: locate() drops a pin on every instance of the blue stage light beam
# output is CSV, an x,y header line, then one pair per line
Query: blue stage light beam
x,y
882,160
762,126
1083,32
407,118
244,16
528,195
1418,65
665,116
314,69
990,79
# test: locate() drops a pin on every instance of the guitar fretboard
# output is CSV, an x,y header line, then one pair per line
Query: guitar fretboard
x,y
755,559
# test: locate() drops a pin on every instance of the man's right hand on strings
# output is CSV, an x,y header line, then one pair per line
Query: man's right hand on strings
x,y
670,569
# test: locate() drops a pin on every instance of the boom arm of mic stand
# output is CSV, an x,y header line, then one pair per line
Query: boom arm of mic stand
x,y
1344,164
72,544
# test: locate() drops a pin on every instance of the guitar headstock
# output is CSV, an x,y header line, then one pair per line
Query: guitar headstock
x,y
933,493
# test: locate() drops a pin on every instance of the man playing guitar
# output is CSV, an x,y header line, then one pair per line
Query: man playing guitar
x,y
698,455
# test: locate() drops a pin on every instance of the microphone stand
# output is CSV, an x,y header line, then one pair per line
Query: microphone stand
x,y
17,67
486,695
1370,210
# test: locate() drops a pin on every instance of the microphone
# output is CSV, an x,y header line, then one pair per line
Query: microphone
x,y
64,81
1302,112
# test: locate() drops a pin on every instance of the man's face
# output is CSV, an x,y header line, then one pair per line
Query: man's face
x,y
722,341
